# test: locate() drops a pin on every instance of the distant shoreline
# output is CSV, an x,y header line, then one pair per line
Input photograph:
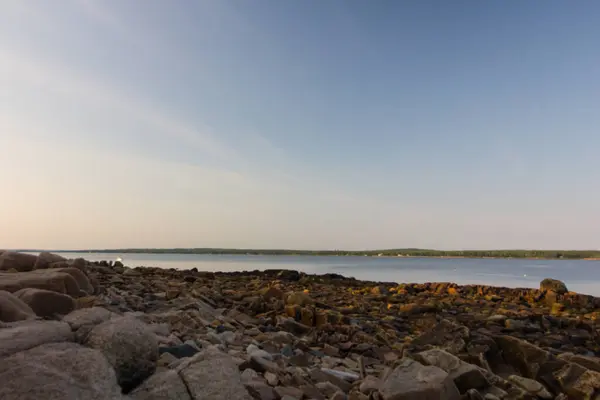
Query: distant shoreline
x,y
590,255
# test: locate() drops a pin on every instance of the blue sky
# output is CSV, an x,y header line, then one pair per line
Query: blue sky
x,y
299,124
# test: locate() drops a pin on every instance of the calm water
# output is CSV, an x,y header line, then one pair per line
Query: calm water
x,y
580,276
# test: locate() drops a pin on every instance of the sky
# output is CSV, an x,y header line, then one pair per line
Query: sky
x,y
299,124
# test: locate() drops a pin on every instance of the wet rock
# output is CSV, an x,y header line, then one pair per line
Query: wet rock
x,y
180,351
58,371
411,380
46,303
13,309
21,262
554,285
24,335
129,345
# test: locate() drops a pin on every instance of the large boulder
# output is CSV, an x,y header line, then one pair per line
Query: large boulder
x,y
48,279
553,285
82,321
213,375
411,380
46,303
24,335
130,346
21,262
44,259
58,371
12,309
530,360
80,277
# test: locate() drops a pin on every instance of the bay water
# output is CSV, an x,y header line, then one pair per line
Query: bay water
x,y
581,276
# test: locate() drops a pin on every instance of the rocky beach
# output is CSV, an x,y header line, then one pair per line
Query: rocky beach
x,y
73,329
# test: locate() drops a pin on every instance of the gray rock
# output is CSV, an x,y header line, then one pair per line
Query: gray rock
x,y
48,279
13,309
44,259
129,345
533,387
347,376
24,335
84,320
58,371
213,375
465,376
411,380
162,386
46,303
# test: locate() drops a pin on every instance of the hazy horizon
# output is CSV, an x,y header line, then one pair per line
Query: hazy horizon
x,y
302,125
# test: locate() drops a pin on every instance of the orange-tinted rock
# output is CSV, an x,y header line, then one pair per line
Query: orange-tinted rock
x,y
307,316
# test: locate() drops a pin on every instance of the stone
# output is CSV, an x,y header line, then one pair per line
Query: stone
x,y
58,371
20,262
166,385
44,259
446,335
46,303
339,396
327,388
588,362
296,328
554,285
294,393
180,351
523,356
82,321
262,365
347,376
24,335
299,299
80,277
13,309
411,380
533,387
369,385
129,345
577,382
213,375
271,378
48,279
465,376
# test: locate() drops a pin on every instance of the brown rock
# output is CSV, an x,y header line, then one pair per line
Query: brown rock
x,y
46,303
299,298
525,357
20,261
13,309
578,383
47,279
44,259
446,335
554,285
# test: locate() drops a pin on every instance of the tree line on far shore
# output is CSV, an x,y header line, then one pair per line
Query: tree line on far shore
x,y
545,254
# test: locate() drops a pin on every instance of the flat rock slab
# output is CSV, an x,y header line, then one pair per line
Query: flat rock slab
x,y
213,375
166,385
414,381
24,335
58,371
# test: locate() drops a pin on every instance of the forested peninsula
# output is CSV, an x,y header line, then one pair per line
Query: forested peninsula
x,y
410,252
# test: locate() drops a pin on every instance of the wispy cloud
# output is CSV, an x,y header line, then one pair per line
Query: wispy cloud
x,y
27,70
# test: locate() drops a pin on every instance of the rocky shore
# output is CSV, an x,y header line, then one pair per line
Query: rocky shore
x,y
71,329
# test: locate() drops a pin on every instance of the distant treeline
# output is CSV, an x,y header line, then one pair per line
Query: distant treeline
x,y
547,254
